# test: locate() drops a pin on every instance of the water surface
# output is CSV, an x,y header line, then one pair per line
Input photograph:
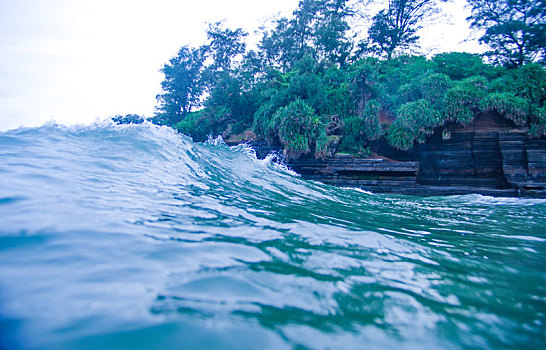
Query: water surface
x,y
128,237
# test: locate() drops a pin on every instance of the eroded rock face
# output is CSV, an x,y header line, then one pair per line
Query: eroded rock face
x,y
375,174
514,158
465,159
500,162
536,164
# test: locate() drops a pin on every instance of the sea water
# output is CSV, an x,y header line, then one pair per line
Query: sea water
x,y
135,237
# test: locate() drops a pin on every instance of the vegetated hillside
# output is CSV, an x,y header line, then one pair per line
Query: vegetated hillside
x,y
310,83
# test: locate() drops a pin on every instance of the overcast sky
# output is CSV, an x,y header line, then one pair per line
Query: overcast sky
x,y
75,61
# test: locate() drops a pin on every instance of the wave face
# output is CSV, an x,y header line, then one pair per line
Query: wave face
x,y
135,237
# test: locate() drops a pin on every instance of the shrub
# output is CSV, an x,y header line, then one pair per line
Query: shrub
x,y
371,126
200,125
414,122
507,105
520,95
363,83
431,87
262,121
409,92
528,82
398,72
299,130
434,87
400,137
358,129
462,102
338,101
537,123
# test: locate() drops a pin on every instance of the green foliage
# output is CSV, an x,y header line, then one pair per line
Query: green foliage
x,y
225,45
318,29
515,30
415,121
367,124
364,83
302,90
279,46
198,125
528,82
337,100
359,129
537,123
331,41
394,29
395,74
462,102
400,136
434,88
521,96
431,87
262,123
370,118
299,130
460,65
386,35
508,105
251,70
323,88
228,95
305,82
183,85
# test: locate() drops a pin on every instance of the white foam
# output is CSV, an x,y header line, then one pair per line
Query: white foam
x,y
507,201
272,160
358,189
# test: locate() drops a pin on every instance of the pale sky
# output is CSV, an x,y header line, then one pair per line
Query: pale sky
x,y
76,61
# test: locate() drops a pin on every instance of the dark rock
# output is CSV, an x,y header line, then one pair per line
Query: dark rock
x,y
500,162
262,149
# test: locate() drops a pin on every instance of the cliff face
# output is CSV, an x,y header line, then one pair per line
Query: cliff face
x,y
502,162
376,175
467,158
502,159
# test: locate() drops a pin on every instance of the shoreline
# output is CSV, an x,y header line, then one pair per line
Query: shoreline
x,y
380,176
499,163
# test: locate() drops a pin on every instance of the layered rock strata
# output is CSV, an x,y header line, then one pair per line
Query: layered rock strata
x,y
490,162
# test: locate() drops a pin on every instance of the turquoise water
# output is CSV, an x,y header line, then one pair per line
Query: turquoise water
x,y
134,237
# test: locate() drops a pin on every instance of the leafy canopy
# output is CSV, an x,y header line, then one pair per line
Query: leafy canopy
x,y
515,30
306,89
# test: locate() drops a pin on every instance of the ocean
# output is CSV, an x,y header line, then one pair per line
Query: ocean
x,y
135,237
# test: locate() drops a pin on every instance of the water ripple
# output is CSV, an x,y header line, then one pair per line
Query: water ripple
x,y
136,235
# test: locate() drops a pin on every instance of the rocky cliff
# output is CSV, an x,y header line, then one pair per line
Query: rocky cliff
x,y
498,161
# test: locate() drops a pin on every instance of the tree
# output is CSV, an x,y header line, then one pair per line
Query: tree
x,y
279,46
251,69
225,102
225,45
330,32
460,65
515,30
318,29
395,28
305,17
182,86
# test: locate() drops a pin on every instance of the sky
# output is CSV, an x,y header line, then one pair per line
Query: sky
x,y
76,61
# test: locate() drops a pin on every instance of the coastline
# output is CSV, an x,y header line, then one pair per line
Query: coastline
x,y
492,162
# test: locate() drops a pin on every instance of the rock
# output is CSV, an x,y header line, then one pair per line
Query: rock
x,y
349,171
500,162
